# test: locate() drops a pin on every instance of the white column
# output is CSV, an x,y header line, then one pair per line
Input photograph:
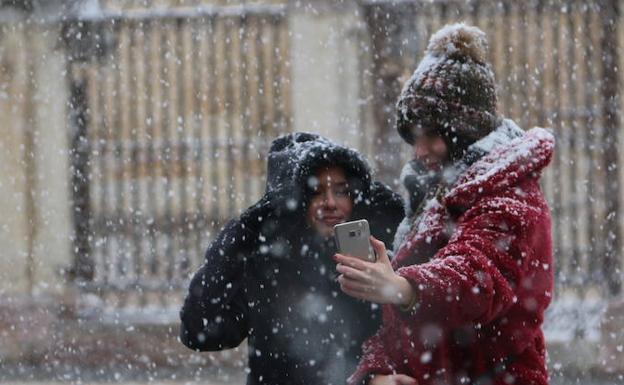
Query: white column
x,y
41,109
13,227
53,245
325,74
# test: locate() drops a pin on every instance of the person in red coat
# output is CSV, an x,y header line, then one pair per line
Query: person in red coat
x,y
465,294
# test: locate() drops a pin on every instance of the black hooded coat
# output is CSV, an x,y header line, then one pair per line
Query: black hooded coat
x,y
270,278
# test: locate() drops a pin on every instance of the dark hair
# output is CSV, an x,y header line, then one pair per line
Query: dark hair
x,y
356,182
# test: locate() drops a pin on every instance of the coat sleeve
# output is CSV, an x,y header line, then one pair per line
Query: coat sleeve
x,y
375,359
215,312
475,276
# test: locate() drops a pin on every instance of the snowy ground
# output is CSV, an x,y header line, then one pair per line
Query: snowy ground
x,y
23,375
231,377
561,381
555,381
572,327
202,382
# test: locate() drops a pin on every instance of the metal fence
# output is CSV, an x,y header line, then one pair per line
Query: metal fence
x,y
171,114
556,64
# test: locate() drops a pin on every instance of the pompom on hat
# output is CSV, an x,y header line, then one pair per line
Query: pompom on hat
x,y
452,93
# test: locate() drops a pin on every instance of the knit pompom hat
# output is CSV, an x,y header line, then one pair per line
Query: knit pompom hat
x,y
452,93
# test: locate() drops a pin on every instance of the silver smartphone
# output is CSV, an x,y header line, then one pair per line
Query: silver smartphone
x,y
353,238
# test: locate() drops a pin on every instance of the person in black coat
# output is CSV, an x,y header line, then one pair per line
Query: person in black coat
x,y
269,275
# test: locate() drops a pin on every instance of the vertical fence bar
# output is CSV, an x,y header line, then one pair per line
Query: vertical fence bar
x,y
124,132
214,109
135,43
84,268
597,146
562,157
108,224
154,128
491,28
199,212
530,33
221,128
245,106
475,11
255,143
523,67
364,90
235,163
261,75
577,89
574,160
556,124
278,59
182,127
117,160
386,72
589,147
148,170
542,96
610,13
206,99
285,76
229,31
96,137
29,155
169,126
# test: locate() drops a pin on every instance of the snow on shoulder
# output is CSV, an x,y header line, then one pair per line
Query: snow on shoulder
x,y
504,165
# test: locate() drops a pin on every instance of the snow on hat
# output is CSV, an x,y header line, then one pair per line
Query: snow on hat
x,y
452,92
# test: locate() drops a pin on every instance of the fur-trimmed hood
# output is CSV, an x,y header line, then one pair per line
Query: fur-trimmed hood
x,y
294,158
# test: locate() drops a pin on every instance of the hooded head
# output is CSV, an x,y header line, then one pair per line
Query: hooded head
x,y
276,223
294,160
452,93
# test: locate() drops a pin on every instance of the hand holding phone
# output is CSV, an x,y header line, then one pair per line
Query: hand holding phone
x,y
374,281
353,238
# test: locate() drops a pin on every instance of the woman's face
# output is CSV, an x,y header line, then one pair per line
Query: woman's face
x,y
431,150
331,201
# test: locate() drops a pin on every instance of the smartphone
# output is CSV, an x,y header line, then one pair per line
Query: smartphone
x,y
353,238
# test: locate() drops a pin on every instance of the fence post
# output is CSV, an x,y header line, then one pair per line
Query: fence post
x,y
30,162
83,266
610,16
386,76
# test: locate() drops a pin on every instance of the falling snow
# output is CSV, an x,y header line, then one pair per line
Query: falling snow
x,y
135,130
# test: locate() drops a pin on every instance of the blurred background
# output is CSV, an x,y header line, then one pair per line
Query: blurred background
x,y
133,129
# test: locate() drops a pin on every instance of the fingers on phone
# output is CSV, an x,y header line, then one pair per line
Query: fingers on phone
x,y
352,273
354,262
377,244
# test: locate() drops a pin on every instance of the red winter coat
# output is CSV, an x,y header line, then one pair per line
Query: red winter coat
x,y
481,264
